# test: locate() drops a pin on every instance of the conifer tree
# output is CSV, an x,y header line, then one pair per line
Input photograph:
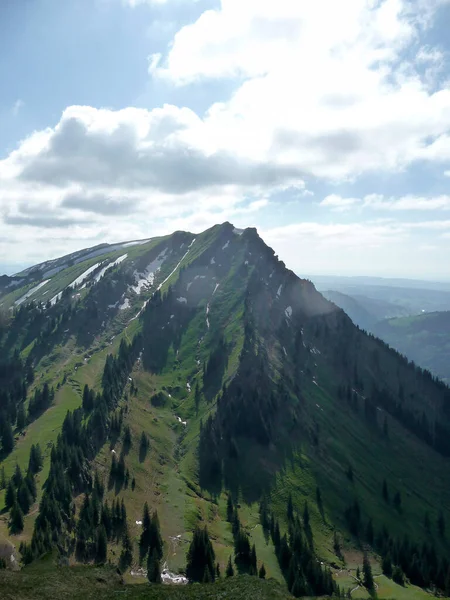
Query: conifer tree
x,y
230,571
10,495
367,572
153,567
398,576
200,558
262,572
2,479
15,519
386,565
101,549
7,437
126,556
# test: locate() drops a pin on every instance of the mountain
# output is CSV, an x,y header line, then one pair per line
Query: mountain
x,y
425,339
390,297
196,373
364,311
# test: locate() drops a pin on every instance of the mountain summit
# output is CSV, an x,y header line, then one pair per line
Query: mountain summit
x,y
197,374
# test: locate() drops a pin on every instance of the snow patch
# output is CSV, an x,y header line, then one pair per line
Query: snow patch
x,y
109,266
284,350
246,262
238,231
128,244
138,522
215,289
83,276
279,291
213,261
125,304
189,285
225,246
288,312
147,277
182,300
192,243
180,420
30,292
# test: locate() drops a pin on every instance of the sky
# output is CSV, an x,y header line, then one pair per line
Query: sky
x,y
324,124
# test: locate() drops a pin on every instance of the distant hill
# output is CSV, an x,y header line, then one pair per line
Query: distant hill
x,y
425,339
364,311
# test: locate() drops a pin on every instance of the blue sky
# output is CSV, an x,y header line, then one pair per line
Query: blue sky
x,y
325,125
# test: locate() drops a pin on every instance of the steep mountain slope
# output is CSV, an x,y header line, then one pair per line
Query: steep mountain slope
x,y
425,339
199,366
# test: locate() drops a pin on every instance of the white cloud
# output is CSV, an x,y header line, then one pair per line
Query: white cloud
x,y
380,202
383,249
336,95
447,173
17,106
336,202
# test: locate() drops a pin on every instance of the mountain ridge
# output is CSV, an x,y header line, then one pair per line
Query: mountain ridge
x,y
248,383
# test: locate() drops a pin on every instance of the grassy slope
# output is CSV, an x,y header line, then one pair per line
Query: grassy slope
x,y
45,581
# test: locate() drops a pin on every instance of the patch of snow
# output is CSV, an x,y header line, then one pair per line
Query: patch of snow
x,y
128,244
113,452
113,305
125,304
109,266
182,300
270,276
279,291
288,312
213,261
189,285
55,299
179,419
215,289
225,246
238,231
31,292
188,385
172,316
147,277
246,262
138,522
83,276
284,350
168,577
191,244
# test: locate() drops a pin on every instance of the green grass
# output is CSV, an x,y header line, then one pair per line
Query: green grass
x,y
46,581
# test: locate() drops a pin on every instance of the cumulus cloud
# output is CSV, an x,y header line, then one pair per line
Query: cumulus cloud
x,y
340,95
380,202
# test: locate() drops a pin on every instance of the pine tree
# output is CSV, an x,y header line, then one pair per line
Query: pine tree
x,y
217,571
398,501
262,572
290,508
367,571
153,567
126,556
21,417
386,565
15,519
101,549
200,558
230,509
2,479
319,499
398,576
358,573
10,495
230,571
7,437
